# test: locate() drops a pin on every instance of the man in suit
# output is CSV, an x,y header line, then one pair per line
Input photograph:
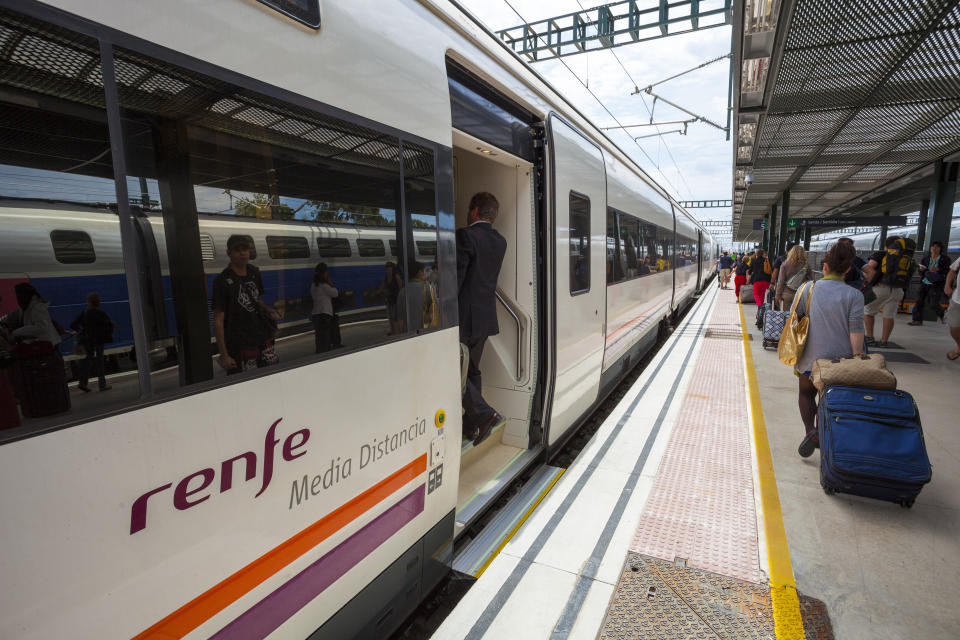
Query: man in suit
x,y
480,250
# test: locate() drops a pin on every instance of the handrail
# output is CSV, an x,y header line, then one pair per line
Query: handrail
x,y
516,319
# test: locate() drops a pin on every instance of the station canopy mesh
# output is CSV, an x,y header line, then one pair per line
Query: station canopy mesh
x,y
866,92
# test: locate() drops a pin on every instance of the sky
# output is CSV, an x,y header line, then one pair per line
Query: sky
x,y
697,166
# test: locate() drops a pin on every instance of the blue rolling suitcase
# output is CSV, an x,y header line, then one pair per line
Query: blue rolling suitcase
x,y
871,444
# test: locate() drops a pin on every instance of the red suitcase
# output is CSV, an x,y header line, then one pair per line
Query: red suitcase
x,y
41,381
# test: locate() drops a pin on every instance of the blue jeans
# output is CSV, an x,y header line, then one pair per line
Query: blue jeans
x,y
95,357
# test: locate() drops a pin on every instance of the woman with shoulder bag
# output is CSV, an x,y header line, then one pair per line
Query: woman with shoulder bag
x,y
793,273
835,330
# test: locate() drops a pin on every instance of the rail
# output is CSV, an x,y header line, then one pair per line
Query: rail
x,y
516,318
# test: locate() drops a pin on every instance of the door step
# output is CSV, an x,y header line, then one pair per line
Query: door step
x,y
476,555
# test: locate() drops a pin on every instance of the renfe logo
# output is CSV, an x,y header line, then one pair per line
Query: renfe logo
x,y
185,497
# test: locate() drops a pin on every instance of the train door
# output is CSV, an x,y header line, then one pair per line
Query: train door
x,y
578,190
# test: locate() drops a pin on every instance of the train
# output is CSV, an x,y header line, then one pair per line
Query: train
x,y
869,242
321,496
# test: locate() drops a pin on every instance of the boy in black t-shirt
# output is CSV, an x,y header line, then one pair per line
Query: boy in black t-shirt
x,y
243,337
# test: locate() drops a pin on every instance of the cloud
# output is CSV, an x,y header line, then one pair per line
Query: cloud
x,y
697,166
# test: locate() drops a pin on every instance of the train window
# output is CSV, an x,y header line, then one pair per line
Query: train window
x,y
579,243
334,247
427,248
207,249
287,247
615,268
249,169
630,245
72,247
369,248
57,185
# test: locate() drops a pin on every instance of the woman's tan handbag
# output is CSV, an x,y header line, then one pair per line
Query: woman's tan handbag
x,y
431,308
867,371
793,339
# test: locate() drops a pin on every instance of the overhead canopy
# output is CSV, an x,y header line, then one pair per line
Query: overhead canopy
x,y
846,103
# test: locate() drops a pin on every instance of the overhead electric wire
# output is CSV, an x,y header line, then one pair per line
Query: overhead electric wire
x,y
650,113
600,102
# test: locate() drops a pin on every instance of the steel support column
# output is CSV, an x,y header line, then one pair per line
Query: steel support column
x,y
784,217
941,202
774,226
807,235
922,225
766,232
883,231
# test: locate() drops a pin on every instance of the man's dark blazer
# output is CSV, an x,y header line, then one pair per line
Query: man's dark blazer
x,y
480,251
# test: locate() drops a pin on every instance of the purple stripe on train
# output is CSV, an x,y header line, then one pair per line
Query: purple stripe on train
x,y
267,615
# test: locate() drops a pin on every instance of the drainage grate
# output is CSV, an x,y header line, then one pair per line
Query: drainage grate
x,y
657,599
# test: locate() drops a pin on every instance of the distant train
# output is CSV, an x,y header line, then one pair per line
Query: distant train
x,y
68,251
867,243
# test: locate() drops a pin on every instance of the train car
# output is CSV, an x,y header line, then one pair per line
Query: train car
x,y
319,493
868,242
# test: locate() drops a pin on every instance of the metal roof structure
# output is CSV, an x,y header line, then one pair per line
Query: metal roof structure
x,y
845,103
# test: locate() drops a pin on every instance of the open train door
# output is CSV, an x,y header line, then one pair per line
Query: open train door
x,y
579,203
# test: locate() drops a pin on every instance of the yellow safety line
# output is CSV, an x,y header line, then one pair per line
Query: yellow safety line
x,y
526,515
787,620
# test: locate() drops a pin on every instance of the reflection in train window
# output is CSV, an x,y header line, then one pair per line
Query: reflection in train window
x,y
579,243
369,248
393,248
251,243
223,160
58,203
333,247
72,247
427,248
287,247
207,248
615,266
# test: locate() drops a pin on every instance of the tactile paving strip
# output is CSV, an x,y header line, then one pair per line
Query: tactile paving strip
x,y
701,507
660,600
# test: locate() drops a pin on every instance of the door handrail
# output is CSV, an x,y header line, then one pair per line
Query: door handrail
x,y
516,318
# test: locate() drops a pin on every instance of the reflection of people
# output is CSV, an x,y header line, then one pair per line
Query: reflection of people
x,y
94,330
323,292
645,266
390,286
412,297
239,327
34,320
835,330
480,251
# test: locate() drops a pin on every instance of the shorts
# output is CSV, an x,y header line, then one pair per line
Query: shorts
x,y
724,273
953,315
887,302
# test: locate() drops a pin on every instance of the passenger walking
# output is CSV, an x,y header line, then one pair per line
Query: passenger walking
x,y
323,292
835,331
726,264
759,276
93,330
779,263
480,251
952,289
889,273
740,278
242,322
934,267
792,274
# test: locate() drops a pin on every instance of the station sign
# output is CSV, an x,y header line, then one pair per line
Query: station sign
x,y
851,221
759,224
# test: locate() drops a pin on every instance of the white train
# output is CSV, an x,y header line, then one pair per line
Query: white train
x,y
867,243
319,497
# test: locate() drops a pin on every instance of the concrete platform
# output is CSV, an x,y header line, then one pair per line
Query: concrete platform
x,y
882,570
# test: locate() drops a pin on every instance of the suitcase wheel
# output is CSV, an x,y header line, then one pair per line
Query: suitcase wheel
x,y
829,491
906,504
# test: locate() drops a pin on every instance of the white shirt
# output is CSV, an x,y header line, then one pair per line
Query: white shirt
x,y
956,281
322,298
